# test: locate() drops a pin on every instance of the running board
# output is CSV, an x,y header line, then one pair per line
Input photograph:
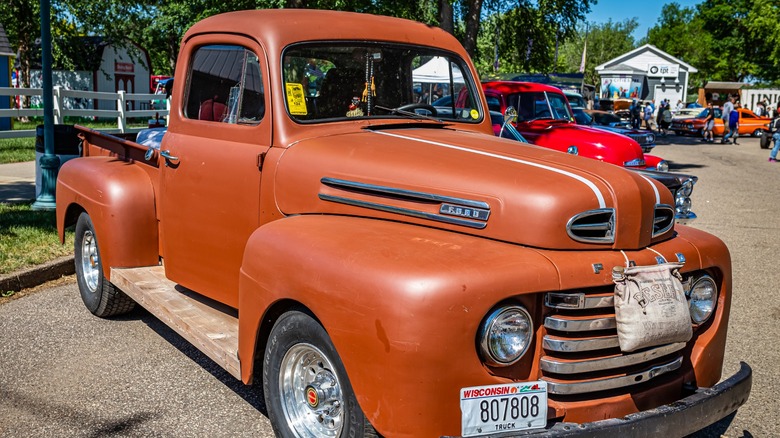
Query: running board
x,y
210,326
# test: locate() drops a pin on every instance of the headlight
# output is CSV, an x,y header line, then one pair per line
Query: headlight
x,y
505,336
573,150
687,188
682,204
650,138
703,295
662,166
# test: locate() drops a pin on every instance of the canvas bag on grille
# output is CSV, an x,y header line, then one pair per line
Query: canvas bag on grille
x,y
650,306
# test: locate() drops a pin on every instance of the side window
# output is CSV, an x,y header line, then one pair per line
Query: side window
x,y
225,86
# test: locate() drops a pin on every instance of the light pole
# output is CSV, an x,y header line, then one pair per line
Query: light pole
x,y
50,163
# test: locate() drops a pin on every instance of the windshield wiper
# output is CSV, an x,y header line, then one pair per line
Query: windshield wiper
x,y
411,114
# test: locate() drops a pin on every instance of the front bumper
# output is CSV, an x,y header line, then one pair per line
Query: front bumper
x,y
683,417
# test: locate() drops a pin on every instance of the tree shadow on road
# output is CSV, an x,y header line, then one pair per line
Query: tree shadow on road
x,y
252,394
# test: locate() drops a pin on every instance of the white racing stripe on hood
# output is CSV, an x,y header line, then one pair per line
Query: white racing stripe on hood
x,y
655,189
596,191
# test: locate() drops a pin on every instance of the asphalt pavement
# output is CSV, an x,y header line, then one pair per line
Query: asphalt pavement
x,y
64,372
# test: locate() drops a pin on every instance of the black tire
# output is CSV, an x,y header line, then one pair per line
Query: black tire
x,y
297,339
765,141
100,297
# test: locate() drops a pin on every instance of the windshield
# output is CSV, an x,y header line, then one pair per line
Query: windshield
x,y
581,117
335,81
540,105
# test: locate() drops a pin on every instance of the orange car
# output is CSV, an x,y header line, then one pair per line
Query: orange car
x,y
749,123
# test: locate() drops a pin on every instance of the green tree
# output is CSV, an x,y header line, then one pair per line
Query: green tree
x,y
21,20
694,48
605,41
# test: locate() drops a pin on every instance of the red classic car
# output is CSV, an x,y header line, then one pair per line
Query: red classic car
x,y
749,123
546,119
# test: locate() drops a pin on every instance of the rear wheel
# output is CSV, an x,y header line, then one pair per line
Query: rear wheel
x,y
307,392
101,297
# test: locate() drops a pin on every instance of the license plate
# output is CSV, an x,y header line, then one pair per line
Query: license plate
x,y
503,408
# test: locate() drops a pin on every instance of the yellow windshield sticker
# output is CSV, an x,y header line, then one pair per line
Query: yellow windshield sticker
x,y
474,114
296,100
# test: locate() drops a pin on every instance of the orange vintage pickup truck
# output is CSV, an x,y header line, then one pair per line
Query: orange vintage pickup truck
x,y
310,221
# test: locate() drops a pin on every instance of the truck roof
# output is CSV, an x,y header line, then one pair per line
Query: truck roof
x,y
281,27
517,86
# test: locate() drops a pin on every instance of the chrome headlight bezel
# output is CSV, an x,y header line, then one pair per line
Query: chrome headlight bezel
x,y
495,349
662,166
702,298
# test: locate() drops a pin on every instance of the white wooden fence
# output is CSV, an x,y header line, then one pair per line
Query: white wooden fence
x,y
121,113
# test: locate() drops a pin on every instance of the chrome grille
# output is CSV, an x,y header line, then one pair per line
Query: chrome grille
x,y
663,220
593,226
581,350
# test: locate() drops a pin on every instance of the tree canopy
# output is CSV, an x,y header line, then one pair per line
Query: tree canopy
x,y
731,40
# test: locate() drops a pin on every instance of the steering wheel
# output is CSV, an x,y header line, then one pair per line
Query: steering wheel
x,y
413,106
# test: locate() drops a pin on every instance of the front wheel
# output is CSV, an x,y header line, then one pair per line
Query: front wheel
x,y
758,133
100,297
765,141
307,392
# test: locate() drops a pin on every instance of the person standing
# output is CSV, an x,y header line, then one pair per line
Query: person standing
x,y
774,128
709,123
679,105
734,123
648,115
635,111
727,108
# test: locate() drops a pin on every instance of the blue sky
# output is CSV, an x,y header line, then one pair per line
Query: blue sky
x,y
647,12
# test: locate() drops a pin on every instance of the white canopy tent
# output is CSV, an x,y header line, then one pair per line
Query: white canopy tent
x,y
437,71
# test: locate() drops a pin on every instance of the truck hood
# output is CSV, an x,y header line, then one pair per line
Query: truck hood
x,y
590,142
474,183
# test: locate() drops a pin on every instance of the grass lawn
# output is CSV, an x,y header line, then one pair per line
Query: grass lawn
x,y
29,238
15,150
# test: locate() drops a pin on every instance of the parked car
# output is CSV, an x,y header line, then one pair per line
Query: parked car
x,y
646,139
575,99
749,123
546,119
686,112
606,118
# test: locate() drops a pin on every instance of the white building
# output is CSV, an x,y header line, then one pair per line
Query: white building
x,y
645,73
100,66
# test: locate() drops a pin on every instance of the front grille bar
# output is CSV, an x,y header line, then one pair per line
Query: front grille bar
x,y
560,388
568,345
562,323
559,366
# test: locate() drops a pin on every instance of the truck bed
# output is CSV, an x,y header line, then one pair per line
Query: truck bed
x,y
209,326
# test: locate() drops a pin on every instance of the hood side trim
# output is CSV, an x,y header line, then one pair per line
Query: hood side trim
x,y
596,191
403,211
655,189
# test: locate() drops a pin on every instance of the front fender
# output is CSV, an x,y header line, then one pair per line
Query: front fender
x,y
402,304
119,197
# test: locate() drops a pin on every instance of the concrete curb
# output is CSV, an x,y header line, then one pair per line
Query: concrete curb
x,y
37,275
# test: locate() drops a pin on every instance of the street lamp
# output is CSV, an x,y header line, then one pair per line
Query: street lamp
x,y
50,162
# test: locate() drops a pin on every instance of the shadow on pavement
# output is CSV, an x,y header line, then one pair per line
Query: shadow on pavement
x,y
252,394
17,191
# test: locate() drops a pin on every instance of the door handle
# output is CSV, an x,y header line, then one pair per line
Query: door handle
x,y
168,157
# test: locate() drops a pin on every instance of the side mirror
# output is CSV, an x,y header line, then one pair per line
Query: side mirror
x,y
510,115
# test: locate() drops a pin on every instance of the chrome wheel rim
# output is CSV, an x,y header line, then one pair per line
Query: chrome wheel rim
x,y
312,399
90,261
